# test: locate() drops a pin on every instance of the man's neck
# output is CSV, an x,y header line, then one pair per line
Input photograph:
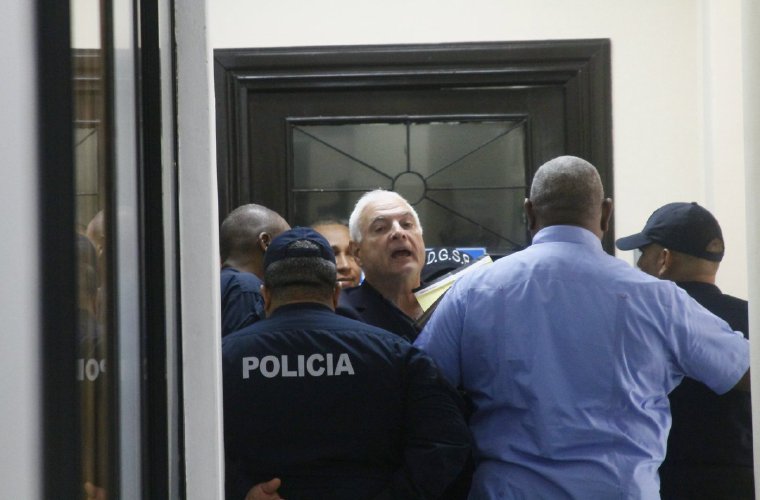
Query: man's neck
x,y
400,293
280,303
698,278
677,270
249,266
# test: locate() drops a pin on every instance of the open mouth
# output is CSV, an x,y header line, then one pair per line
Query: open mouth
x,y
400,254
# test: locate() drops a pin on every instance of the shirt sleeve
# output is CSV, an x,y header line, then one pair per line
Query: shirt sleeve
x,y
240,309
436,439
442,335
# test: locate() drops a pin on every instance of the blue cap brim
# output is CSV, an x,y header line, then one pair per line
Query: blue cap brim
x,y
633,242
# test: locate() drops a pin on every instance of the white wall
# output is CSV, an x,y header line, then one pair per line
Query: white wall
x,y
20,370
751,42
85,30
676,78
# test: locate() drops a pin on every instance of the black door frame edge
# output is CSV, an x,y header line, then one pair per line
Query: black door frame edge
x,y
61,454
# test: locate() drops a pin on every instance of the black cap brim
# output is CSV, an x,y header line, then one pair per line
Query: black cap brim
x,y
633,242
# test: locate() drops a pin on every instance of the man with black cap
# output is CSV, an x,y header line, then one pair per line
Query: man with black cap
x,y
332,407
709,452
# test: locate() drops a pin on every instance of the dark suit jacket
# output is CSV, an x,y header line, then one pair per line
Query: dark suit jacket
x,y
366,304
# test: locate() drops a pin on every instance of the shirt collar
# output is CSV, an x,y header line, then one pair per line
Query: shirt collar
x,y
568,234
373,291
699,286
303,306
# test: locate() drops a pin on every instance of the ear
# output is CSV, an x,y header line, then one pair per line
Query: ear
x,y
353,247
664,263
606,214
336,296
264,240
530,214
267,296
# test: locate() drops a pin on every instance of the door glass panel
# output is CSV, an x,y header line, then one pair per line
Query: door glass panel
x,y
328,165
471,155
373,149
466,179
94,337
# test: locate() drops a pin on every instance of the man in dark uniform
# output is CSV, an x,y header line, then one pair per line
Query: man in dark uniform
x,y
709,452
332,407
387,235
243,238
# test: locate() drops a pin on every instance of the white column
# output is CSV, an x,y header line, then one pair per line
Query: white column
x,y
723,138
20,370
199,255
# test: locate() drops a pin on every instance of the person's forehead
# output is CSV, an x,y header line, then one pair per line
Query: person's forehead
x,y
386,209
331,228
336,234
654,246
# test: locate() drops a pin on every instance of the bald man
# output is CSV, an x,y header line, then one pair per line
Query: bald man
x,y
569,354
244,236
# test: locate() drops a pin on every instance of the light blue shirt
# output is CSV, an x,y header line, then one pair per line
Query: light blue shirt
x,y
569,354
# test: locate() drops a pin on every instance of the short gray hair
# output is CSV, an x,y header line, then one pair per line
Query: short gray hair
x,y
354,222
566,190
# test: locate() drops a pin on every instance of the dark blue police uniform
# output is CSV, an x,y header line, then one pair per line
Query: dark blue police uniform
x,y
368,305
709,452
337,409
242,304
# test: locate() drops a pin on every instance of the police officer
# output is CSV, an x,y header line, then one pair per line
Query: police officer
x,y
332,407
243,238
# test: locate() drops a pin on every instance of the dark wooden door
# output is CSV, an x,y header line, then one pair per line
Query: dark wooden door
x,y
555,95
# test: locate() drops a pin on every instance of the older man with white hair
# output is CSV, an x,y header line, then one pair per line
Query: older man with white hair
x,y
389,247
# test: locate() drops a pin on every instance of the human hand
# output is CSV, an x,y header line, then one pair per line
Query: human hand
x,y
265,491
95,492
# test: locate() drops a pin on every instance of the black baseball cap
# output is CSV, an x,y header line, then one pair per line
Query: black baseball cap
x,y
684,227
284,246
